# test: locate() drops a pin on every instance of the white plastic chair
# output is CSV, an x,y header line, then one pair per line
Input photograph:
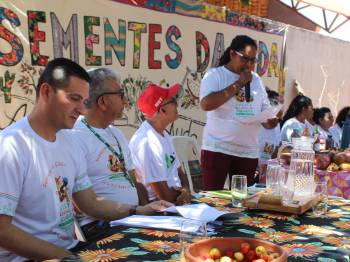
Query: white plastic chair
x,y
187,149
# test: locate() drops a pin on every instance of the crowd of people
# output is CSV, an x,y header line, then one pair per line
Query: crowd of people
x,y
66,162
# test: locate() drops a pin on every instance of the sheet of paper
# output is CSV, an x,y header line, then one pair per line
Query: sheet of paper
x,y
226,194
160,222
263,116
201,212
164,222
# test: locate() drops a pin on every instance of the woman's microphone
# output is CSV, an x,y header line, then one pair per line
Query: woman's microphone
x,y
247,92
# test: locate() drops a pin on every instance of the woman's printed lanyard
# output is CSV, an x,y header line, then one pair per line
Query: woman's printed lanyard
x,y
119,156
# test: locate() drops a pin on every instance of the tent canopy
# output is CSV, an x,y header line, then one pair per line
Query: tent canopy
x,y
336,6
335,13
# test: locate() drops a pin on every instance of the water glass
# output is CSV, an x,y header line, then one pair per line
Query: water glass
x,y
238,189
286,185
320,208
191,231
272,179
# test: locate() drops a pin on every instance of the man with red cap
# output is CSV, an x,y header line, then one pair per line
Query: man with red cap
x,y
152,150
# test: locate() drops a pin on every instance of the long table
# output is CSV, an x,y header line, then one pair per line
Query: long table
x,y
305,237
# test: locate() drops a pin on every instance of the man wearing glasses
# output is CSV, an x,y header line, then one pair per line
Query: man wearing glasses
x,y
152,149
42,170
230,94
109,164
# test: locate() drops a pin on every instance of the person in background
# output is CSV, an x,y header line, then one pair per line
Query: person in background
x,y
295,119
337,130
152,149
108,158
269,139
231,93
42,170
324,120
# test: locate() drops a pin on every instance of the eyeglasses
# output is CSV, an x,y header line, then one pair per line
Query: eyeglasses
x,y
247,59
120,93
171,101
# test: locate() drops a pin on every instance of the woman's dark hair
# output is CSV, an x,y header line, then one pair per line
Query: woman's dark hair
x,y
342,115
319,113
238,44
271,94
296,106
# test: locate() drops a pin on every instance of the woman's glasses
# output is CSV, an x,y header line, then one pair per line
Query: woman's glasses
x,y
247,58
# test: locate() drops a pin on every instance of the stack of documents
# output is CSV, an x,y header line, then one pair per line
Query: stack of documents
x,y
201,212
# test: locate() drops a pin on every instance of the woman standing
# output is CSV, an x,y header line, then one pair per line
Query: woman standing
x,y
231,93
296,118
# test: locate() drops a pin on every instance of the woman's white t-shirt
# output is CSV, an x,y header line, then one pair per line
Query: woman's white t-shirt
x,y
269,140
294,123
223,131
336,132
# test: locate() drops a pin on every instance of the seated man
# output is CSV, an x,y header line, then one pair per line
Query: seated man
x,y
109,164
152,150
42,169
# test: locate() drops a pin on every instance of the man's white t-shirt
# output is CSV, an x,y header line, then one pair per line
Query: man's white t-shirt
x,y
294,123
269,140
154,158
103,167
38,179
223,131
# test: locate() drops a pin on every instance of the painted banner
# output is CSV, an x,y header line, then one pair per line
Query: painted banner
x,y
165,42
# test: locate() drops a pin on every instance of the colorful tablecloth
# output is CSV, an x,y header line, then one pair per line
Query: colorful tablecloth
x,y
305,237
338,182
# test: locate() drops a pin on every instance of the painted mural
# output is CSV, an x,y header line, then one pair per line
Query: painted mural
x,y
164,42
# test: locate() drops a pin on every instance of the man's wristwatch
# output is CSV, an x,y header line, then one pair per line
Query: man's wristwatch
x,y
132,210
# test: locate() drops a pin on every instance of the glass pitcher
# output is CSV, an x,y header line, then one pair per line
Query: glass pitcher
x,y
301,172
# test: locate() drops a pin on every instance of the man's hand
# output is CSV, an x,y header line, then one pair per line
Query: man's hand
x,y
153,207
185,197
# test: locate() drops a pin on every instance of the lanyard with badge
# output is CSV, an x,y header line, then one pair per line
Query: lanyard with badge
x,y
115,153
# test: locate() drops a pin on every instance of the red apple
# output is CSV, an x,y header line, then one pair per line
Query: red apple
x,y
245,247
250,255
229,253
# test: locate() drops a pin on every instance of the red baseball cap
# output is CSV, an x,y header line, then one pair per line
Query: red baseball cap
x,y
153,96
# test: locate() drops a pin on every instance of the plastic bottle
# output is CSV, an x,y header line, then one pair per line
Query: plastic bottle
x,y
329,142
317,143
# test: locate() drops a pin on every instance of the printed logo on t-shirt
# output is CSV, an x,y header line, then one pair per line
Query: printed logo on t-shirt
x,y
268,150
62,188
169,160
66,213
240,96
115,166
